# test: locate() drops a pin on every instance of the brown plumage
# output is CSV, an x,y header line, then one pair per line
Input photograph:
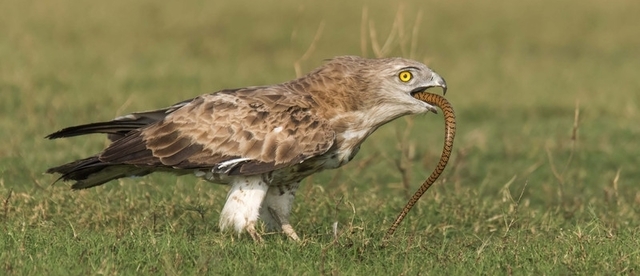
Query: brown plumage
x,y
262,139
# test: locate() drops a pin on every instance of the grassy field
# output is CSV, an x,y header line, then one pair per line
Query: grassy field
x,y
543,180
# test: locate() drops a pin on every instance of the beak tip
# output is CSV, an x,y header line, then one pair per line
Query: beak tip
x,y
439,81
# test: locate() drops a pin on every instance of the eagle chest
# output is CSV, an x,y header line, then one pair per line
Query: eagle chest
x,y
330,160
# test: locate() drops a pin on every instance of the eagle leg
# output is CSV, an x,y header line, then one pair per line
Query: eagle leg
x,y
285,225
276,208
242,208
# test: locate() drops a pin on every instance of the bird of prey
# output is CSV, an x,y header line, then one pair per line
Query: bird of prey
x,y
260,140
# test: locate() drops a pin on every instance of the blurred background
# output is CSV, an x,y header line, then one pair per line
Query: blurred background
x,y
516,70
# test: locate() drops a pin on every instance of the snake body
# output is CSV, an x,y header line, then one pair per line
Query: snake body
x,y
450,133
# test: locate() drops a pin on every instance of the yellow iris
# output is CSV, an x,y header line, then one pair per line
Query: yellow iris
x,y
405,76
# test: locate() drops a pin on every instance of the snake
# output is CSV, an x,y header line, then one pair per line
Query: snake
x,y
450,133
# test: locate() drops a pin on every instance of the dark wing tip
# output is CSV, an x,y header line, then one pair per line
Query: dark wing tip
x,y
55,135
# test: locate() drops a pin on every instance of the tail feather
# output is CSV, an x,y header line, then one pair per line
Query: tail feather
x,y
121,126
90,172
115,129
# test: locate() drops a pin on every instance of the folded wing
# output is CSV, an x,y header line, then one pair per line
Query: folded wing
x,y
236,132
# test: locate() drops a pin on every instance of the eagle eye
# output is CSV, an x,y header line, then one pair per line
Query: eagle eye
x,y
405,76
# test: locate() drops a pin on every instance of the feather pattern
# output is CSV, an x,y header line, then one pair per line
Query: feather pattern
x,y
267,130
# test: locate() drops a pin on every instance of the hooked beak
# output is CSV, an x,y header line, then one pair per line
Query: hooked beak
x,y
436,81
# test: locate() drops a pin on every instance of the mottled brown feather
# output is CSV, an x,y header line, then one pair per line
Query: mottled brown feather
x,y
269,129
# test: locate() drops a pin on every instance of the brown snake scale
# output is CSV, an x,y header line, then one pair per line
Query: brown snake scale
x,y
450,133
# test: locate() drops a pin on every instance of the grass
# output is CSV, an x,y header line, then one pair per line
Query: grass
x,y
522,195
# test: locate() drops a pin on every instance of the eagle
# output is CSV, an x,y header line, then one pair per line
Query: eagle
x,y
260,140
